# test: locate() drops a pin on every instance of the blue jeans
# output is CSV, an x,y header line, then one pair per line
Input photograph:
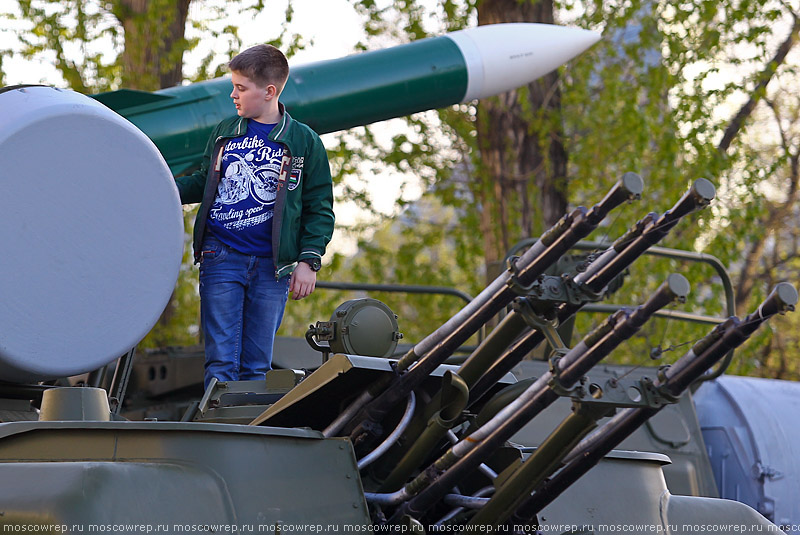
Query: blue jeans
x,y
241,308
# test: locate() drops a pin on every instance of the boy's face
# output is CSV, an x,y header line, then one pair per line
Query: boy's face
x,y
252,100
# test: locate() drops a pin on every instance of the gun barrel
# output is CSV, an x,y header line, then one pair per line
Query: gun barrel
x,y
436,347
674,380
699,196
619,245
685,371
513,324
574,365
466,455
493,345
646,232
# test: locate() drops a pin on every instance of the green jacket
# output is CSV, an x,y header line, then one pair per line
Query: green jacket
x,y
303,219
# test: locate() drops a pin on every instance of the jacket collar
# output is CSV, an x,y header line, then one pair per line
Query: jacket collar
x,y
281,129
279,133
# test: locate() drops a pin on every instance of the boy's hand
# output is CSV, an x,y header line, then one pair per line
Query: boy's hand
x,y
303,281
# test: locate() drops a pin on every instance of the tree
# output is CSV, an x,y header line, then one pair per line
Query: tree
x,y
672,91
149,22
100,45
149,34
522,177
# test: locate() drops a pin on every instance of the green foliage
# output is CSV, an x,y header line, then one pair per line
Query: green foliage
x,y
77,33
85,39
180,323
656,104
228,42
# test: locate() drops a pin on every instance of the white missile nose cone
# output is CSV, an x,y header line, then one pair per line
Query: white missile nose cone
x,y
501,57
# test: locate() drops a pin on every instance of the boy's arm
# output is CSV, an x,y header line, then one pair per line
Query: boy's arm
x,y
191,187
318,219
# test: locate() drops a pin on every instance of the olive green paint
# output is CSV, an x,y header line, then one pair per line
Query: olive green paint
x,y
176,475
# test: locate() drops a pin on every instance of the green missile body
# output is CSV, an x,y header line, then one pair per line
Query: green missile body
x,y
363,88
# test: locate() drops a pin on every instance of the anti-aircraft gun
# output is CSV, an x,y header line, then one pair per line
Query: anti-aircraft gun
x,y
362,443
419,487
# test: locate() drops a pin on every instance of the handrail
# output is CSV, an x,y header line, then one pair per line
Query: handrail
x,y
400,288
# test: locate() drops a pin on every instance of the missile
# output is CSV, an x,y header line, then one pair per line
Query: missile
x,y
92,241
363,88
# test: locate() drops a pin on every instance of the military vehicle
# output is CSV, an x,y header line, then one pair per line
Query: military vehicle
x,y
363,442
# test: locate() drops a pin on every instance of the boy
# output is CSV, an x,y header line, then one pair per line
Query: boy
x,y
264,222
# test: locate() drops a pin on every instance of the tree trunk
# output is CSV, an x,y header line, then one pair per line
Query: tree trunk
x,y
523,164
154,42
153,59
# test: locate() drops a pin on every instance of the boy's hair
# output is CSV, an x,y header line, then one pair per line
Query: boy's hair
x,y
263,64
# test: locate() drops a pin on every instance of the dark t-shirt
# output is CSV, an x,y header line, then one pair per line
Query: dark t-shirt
x,y
241,216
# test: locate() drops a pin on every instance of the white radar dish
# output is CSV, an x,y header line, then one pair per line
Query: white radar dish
x,y
92,234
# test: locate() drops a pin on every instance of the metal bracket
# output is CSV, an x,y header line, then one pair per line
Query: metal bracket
x,y
119,383
562,289
323,331
662,391
621,393
513,281
546,326
205,401
551,288
557,386
595,411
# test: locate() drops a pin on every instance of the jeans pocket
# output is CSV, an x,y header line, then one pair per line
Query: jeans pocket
x,y
212,253
286,282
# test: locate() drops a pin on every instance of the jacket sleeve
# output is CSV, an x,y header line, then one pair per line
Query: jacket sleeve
x,y
191,187
317,219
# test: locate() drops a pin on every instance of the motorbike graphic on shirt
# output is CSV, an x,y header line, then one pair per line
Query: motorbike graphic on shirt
x,y
252,179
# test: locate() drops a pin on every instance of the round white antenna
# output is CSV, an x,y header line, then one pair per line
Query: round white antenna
x,y
92,234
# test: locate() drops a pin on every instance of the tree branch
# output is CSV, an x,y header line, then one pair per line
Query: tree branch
x,y
764,78
777,215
